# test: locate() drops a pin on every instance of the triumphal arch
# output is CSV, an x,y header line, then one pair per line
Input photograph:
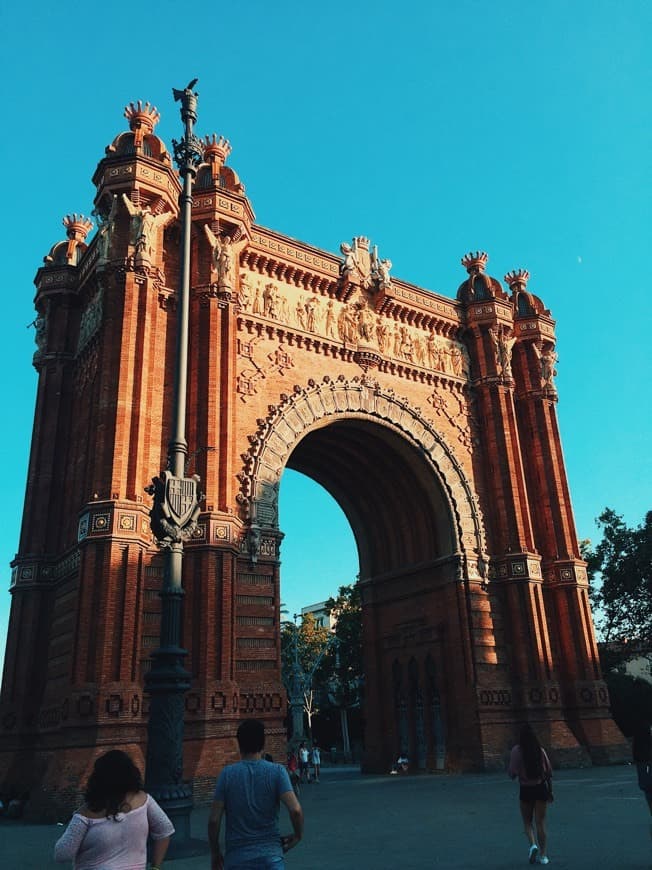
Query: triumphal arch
x,y
431,420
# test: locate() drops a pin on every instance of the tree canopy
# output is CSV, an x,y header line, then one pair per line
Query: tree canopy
x,y
345,659
620,573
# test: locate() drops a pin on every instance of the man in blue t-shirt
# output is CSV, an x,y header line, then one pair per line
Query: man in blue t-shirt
x,y
249,792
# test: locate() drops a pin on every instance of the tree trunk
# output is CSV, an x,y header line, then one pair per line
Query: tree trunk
x,y
346,743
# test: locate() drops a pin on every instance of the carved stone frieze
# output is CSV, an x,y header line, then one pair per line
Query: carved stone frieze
x,y
353,323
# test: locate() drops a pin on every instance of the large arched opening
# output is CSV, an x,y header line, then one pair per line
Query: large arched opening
x,y
420,543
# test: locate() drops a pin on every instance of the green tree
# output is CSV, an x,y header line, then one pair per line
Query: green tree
x,y
344,664
303,651
620,573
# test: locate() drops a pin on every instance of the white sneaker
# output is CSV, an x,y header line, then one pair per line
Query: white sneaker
x,y
543,860
534,851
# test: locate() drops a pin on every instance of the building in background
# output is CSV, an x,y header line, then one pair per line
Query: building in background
x,y
322,616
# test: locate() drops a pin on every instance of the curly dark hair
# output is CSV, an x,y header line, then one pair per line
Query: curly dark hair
x,y
531,751
113,777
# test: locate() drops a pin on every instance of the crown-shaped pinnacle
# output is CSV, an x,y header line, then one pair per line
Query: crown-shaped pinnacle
x,y
517,279
142,120
362,242
216,148
77,226
475,263
141,116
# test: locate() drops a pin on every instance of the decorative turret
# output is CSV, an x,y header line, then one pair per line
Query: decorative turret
x,y
137,166
69,253
525,303
140,140
478,285
213,172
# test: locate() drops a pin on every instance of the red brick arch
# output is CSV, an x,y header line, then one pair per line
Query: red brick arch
x,y
475,596
318,404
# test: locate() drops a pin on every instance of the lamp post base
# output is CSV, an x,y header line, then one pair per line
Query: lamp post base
x,y
177,803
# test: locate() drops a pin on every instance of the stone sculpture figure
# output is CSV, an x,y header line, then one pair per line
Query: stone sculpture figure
x,y
267,293
144,227
548,371
300,312
406,344
431,349
356,266
284,313
41,331
271,301
380,270
502,351
225,258
105,230
330,319
275,303
347,324
256,306
397,341
244,294
547,358
382,331
318,316
349,267
366,322
419,351
311,306
456,360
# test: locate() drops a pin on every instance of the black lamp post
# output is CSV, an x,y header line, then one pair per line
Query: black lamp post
x,y
173,517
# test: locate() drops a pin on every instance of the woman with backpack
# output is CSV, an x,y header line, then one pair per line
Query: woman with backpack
x,y
530,763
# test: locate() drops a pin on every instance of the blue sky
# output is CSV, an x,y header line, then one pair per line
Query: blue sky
x,y
435,128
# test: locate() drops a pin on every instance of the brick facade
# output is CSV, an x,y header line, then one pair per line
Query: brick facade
x,y
432,421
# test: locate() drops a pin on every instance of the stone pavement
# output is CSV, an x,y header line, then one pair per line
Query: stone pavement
x,y
599,820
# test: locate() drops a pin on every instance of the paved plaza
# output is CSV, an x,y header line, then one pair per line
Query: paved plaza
x,y
599,820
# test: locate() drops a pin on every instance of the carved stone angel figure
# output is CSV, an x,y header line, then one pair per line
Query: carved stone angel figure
x,y
244,294
349,267
41,331
547,358
144,227
502,350
225,258
105,230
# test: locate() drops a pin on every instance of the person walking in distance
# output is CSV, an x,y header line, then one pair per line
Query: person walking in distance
x,y
248,793
293,771
112,827
530,763
315,759
304,769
